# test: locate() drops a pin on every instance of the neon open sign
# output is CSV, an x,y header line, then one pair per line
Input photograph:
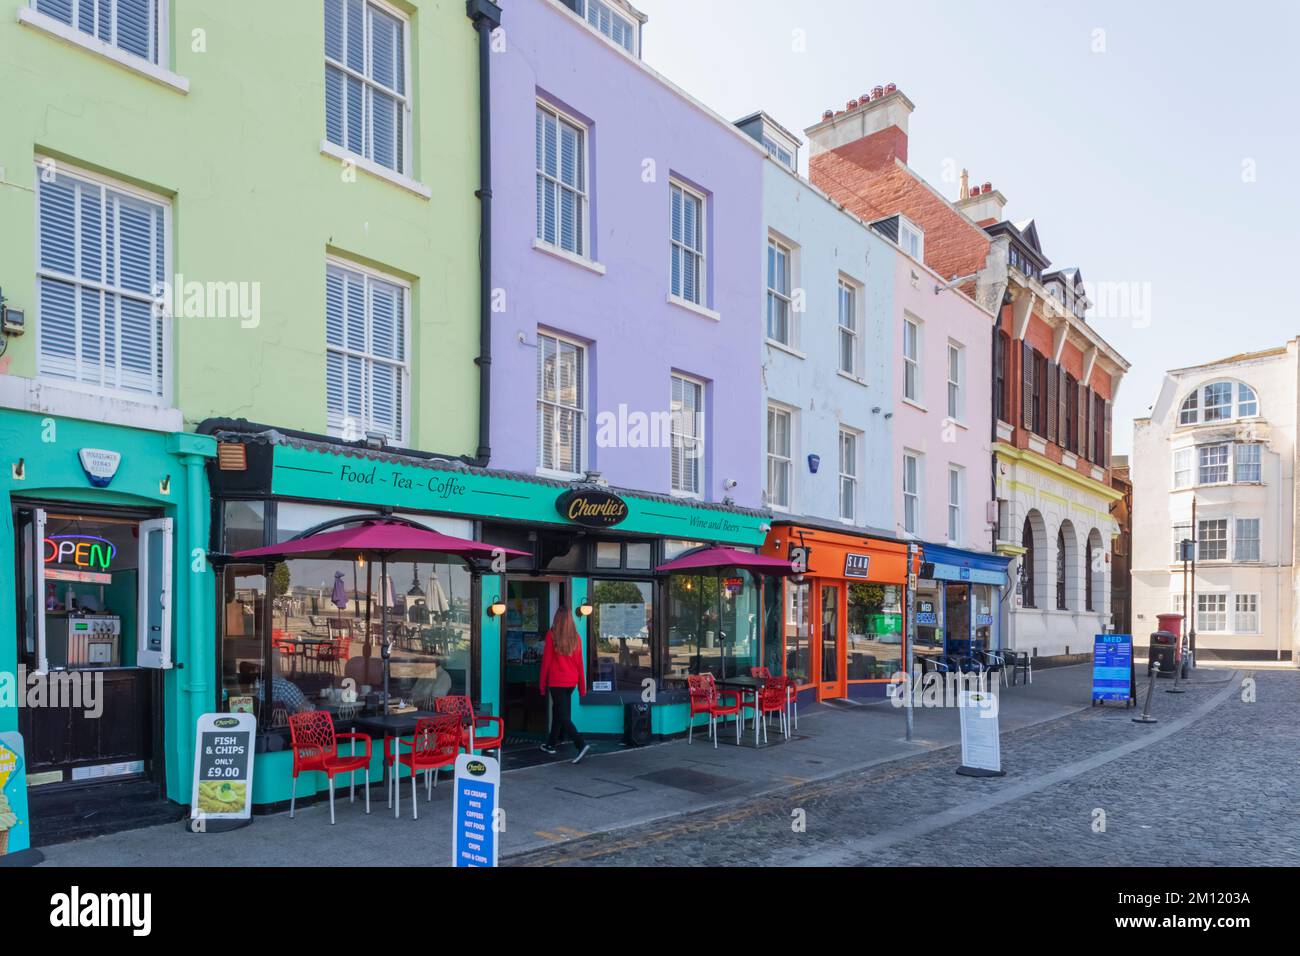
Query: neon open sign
x,y
83,550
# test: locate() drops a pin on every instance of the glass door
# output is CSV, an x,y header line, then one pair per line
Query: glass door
x,y
831,669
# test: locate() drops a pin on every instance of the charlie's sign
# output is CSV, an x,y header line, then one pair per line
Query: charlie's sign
x,y
595,509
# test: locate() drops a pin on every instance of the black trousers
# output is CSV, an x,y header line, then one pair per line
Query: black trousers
x,y
562,718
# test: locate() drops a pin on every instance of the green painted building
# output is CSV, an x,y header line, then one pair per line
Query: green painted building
x,y
213,209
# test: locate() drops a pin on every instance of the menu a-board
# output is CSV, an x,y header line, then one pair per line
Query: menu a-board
x,y
1112,667
981,740
223,767
15,832
473,818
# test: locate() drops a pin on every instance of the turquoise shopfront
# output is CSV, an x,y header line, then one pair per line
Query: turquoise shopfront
x,y
106,650
478,631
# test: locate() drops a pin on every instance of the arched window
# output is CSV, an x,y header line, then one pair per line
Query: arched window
x,y
1060,569
1218,402
1087,576
1027,565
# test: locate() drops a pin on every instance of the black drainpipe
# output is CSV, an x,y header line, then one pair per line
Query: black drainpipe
x,y
487,17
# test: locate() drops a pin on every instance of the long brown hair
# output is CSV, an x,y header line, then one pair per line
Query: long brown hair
x,y
563,633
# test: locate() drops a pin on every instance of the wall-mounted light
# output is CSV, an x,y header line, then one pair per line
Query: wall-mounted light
x,y
20,470
585,609
165,486
497,608
361,560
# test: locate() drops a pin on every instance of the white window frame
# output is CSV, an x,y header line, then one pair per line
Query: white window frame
x,y
848,472
367,113
781,459
1258,464
848,295
1201,540
780,248
700,255
1192,410
1226,464
1185,465
912,360
911,238
956,365
697,438
584,11
583,194
159,52
368,359
1238,538
1182,530
912,493
956,492
1203,600
1240,626
162,309
580,410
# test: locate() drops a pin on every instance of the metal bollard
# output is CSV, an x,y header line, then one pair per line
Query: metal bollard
x,y
1178,670
1146,717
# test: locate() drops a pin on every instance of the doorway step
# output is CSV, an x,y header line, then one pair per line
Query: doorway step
x,y
64,814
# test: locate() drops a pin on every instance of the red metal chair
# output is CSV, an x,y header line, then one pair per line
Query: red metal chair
x,y
471,739
707,699
435,745
790,694
761,674
316,750
335,653
772,699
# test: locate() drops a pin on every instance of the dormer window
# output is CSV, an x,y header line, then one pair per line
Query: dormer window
x,y
1218,402
911,238
610,22
779,152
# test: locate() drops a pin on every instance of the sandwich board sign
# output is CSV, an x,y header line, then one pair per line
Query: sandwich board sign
x,y
981,742
473,818
223,771
1112,669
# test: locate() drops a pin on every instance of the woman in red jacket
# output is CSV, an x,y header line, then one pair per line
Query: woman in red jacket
x,y
562,671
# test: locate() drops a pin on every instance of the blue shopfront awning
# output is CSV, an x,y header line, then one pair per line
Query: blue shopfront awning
x,y
975,567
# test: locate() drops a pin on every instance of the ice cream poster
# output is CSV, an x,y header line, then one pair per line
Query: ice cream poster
x,y
15,830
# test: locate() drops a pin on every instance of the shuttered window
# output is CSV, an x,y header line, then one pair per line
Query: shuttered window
x,y
687,244
367,106
130,25
366,367
1062,409
560,146
561,405
101,258
687,435
1051,405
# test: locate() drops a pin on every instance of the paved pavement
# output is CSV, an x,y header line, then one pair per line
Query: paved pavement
x,y
867,795
1211,783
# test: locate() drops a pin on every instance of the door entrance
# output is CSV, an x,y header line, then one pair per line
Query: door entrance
x,y
831,649
530,605
94,630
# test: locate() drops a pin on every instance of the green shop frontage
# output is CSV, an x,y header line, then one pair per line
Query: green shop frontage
x,y
106,654
305,634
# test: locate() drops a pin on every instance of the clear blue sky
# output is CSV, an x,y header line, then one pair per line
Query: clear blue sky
x,y
1130,160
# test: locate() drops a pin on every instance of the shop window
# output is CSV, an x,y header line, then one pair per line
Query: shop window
x,y
609,554
676,547
621,633
243,525
956,618
798,632
627,556
985,627
875,630
713,626
928,639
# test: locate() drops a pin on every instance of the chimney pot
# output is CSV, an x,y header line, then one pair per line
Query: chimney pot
x,y
891,88
988,187
828,114
877,92
851,105
974,190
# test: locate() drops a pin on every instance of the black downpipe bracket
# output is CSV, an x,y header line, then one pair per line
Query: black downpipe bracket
x,y
486,17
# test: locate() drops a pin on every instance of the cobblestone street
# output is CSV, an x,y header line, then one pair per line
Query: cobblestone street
x,y
1212,783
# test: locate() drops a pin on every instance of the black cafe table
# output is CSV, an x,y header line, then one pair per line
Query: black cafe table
x,y
744,685
387,727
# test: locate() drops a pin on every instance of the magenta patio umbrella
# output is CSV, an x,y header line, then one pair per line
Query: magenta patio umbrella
x,y
711,559
384,539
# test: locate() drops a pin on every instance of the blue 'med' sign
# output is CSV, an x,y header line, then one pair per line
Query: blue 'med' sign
x,y
1112,665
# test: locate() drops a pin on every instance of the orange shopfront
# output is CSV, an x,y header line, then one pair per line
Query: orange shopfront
x,y
842,627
